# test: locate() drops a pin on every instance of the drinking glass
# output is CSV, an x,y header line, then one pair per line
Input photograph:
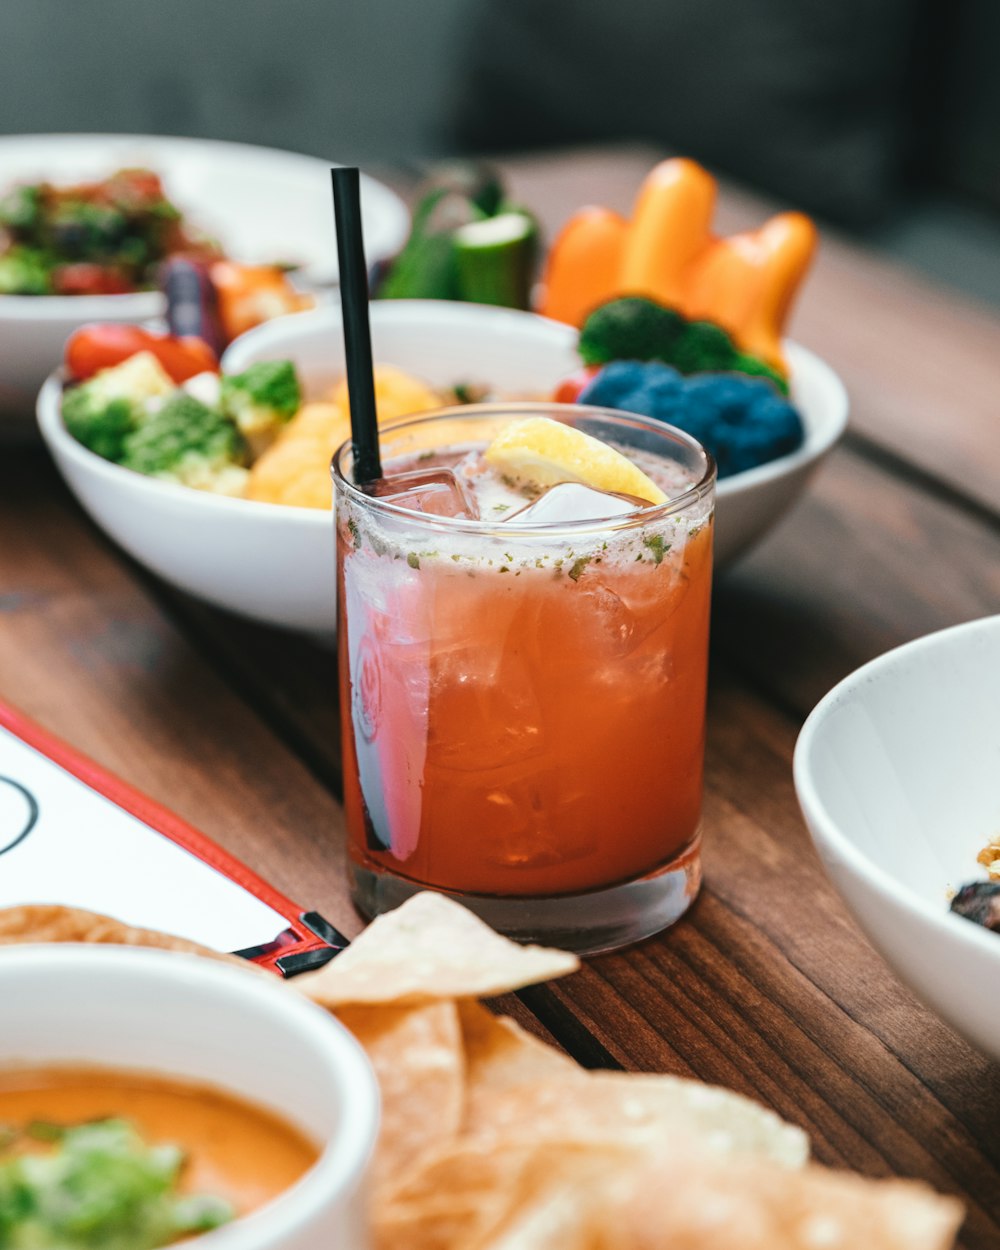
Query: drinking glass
x,y
523,702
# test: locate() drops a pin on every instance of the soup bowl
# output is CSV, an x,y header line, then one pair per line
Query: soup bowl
x,y
241,1032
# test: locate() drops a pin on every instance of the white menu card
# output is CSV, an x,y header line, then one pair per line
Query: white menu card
x,y
63,842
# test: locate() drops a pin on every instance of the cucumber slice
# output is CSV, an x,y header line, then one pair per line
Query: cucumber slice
x,y
495,259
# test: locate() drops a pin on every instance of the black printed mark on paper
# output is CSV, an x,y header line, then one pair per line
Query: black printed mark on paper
x,y
18,813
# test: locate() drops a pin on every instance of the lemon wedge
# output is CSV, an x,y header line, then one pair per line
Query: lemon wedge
x,y
542,452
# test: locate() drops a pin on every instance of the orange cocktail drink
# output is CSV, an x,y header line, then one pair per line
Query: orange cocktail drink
x,y
523,689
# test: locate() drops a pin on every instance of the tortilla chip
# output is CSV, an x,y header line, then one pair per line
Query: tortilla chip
x,y
417,1056
430,948
632,1109
470,1192
499,1055
50,922
747,1205
536,1196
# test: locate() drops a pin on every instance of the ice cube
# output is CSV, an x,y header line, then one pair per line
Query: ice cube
x,y
434,491
572,501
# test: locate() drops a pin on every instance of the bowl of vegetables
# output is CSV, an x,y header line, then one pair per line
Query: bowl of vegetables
x,y
896,771
768,433
220,483
86,220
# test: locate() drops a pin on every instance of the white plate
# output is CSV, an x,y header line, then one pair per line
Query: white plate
x,y
261,204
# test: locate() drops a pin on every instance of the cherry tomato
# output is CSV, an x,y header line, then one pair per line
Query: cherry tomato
x,y
96,347
86,278
137,187
568,390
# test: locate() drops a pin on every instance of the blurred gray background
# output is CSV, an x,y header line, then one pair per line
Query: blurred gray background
x,y
880,117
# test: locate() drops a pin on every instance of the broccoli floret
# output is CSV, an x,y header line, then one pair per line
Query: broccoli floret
x,y
26,271
100,424
742,421
188,443
702,347
262,398
754,367
21,209
102,411
637,328
631,328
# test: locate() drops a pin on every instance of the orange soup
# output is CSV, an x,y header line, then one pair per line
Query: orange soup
x,y
234,1150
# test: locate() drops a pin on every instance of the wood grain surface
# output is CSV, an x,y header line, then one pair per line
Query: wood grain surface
x,y
767,986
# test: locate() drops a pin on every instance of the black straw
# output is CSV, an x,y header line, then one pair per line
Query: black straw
x,y
357,333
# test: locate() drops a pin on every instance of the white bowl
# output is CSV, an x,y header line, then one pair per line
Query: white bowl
x,y
262,204
897,771
268,561
182,1016
275,563
747,504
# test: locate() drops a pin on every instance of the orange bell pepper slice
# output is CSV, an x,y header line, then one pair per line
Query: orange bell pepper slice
x,y
745,283
590,244
250,294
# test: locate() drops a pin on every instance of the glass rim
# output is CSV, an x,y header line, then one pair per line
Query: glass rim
x,y
655,511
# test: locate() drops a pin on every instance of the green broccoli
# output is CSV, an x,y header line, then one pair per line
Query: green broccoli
x,y
101,412
261,399
754,367
26,271
21,209
703,347
631,328
100,425
637,328
186,442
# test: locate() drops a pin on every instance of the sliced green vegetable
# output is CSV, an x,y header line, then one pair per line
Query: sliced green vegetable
x,y
496,259
100,1188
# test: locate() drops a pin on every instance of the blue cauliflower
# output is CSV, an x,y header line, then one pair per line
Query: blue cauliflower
x,y
742,421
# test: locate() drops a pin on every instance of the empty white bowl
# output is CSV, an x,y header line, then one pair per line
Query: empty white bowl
x,y
181,1016
263,205
897,771
276,563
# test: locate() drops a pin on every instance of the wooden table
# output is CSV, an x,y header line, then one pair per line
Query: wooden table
x,y
766,986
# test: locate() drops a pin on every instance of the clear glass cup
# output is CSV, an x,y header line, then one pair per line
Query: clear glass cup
x,y
523,705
